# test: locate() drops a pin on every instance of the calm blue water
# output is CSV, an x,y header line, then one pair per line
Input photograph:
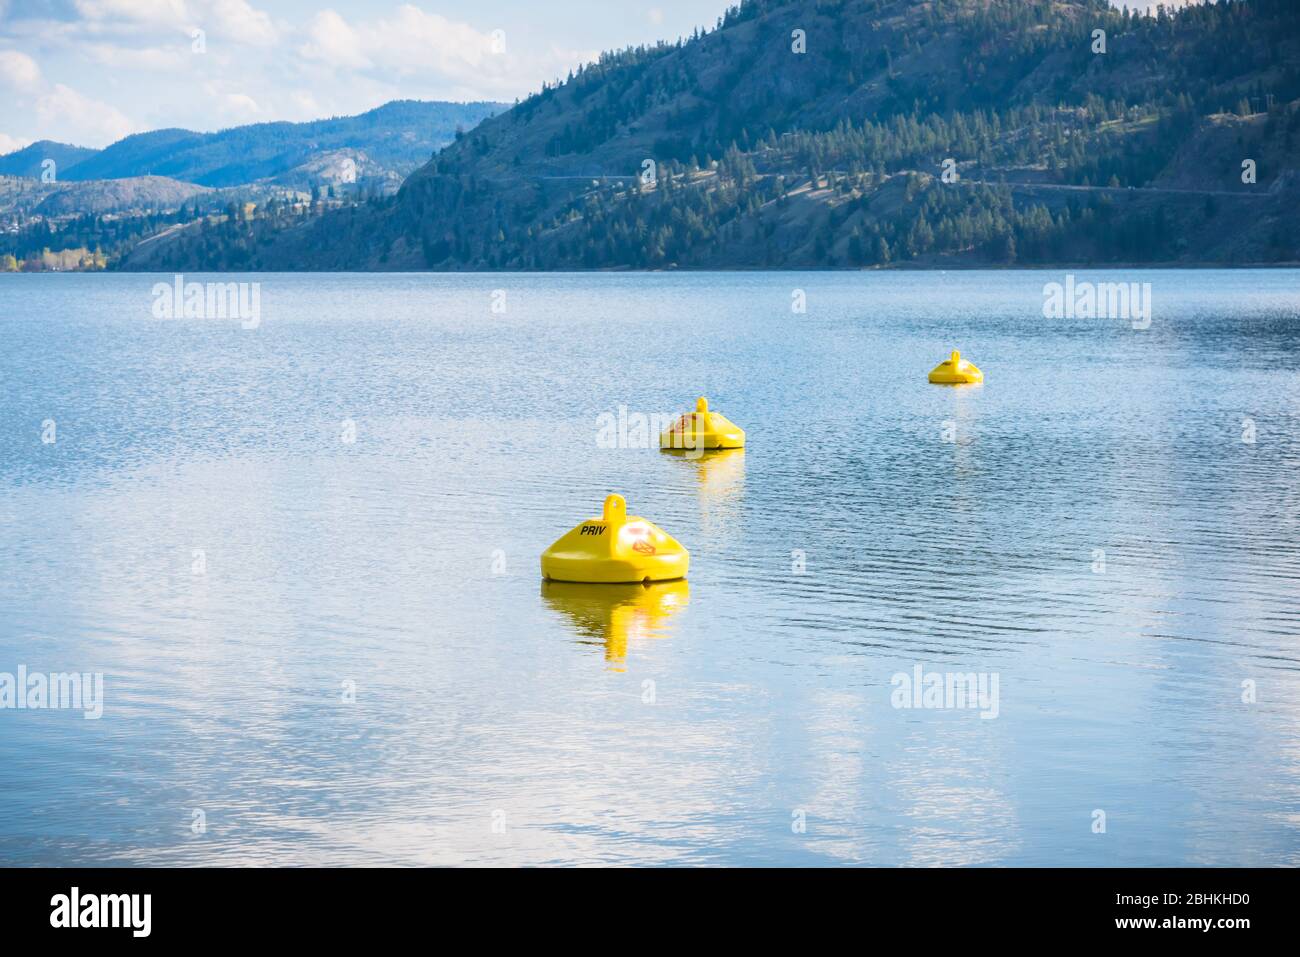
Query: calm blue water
x,y
200,533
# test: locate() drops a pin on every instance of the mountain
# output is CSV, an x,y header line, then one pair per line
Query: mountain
x,y
854,133
29,161
109,201
396,137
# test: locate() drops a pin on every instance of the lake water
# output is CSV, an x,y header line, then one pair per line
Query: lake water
x,y
321,651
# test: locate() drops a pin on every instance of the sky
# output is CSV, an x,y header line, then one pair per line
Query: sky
x,y
89,72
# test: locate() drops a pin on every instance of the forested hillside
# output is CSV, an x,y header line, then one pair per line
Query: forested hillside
x,y
853,133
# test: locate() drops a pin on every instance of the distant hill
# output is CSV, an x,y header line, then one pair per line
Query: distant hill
x,y
395,138
133,194
857,133
24,198
341,167
29,160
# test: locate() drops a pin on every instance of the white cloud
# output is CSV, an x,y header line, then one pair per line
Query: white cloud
x,y
147,12
19,72
431,55
415,41
306,104
297,65
412,43
230,107
9,144
408,43
235,20
60,111
74,117
158,59
239,104
333,42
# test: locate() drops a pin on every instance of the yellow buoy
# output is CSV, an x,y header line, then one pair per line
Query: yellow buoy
x,y
702,429
615,548
956,371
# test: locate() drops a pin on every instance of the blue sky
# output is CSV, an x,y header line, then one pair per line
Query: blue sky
x,y
91,71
